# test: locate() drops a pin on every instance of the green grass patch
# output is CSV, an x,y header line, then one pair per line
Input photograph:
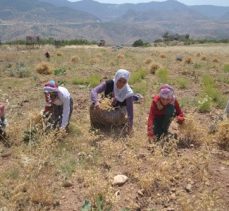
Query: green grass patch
x,y
137,76
226,68
210,90
197,66
182,83
140,87
59,71
91,81
163,75
13,173
68,167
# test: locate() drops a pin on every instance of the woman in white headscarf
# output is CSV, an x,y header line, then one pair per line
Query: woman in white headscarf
x,y
119,91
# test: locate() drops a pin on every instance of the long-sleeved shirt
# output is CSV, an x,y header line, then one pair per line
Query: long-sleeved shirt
x,y
156,112
129,101
63,99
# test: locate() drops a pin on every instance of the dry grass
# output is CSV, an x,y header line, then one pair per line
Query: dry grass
x,y
33,174
75,59
163,56
120,56
204,58
148,61
222,137
215,60
154,68
191,133
188,60
43,68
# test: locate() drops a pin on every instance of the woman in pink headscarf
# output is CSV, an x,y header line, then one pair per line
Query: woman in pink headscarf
x,y
163,109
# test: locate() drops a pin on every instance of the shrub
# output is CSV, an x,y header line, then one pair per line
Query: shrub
x,y
20,71
204,105
43,68
140,43
215,60
188,60
137,76
163,56
148,61
204,58
162,74
226,68
154,68
75,59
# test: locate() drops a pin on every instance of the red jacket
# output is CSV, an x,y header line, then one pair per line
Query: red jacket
x,y
157,110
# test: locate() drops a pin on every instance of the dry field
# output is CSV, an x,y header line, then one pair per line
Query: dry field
x,y
75,172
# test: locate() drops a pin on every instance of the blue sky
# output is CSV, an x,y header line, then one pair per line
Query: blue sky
x,y
189,2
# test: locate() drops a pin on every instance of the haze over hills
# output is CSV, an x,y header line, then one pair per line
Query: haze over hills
x,y
116,23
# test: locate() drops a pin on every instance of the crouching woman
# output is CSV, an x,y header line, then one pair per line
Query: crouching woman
x,y
163,109
59,105
122,97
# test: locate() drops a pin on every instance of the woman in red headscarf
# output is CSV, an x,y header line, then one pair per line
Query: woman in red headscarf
x,y
163,109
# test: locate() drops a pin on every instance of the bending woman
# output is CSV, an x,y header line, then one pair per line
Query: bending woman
x,y
122,97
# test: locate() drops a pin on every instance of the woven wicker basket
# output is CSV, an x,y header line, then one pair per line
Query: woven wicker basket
x,y
107,119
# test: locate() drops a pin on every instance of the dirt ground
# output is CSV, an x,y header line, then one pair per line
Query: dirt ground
x,y
189,172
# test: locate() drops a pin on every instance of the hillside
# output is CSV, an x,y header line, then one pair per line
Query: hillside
x,y
27,11
117,24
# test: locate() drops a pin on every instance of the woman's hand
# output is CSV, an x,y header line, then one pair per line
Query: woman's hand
x,y
151,139
97,106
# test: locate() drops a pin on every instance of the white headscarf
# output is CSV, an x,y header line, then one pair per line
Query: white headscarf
x,y
126,91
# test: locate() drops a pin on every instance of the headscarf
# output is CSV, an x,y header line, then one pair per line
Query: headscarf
x,y
167,92
126,91
51,86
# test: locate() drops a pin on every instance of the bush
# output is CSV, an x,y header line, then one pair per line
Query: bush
x,y
162,74
140,43
154,68
20,71
91,81
188,60
137,76
43,68
204,105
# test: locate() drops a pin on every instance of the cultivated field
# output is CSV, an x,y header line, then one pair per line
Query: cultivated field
x,y
58,172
